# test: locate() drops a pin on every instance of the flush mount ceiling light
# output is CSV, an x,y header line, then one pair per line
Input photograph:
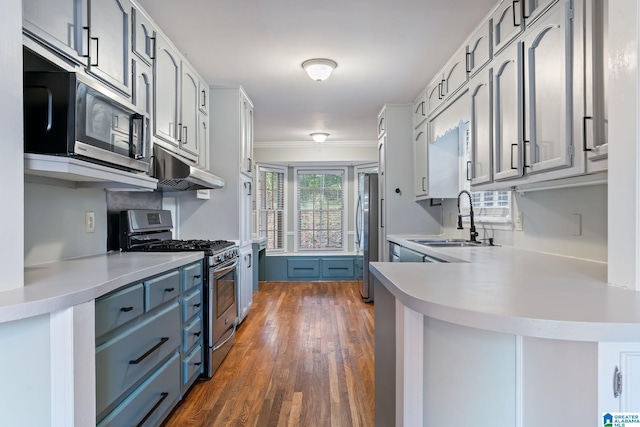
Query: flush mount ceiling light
x,y
319,136
319,69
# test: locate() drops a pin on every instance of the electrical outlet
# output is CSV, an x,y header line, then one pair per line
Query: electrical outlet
x,y
89,222
517,221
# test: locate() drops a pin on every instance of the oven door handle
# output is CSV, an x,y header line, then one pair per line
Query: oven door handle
x,y
221,271
233,333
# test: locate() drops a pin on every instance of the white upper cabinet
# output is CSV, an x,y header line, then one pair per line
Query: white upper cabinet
x,y
419,110
435,96
508,114
534,8
143,38
108,42
166,80
455,73
548,90
246,136
58,24
479,48
420,162
507,24
190,95
480,168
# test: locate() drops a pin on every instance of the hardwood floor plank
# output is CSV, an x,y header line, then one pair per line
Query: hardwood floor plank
x,y
302,357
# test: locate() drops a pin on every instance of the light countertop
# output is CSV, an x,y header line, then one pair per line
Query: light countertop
x,y
58,285
514,291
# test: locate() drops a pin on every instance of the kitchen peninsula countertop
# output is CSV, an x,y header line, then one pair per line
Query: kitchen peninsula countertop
x,y
55,286
514,291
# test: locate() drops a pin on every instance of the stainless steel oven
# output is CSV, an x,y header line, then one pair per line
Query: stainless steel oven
x,y
222,312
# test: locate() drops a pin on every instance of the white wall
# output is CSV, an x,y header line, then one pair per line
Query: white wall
x,y
54,223
547,219
11,160
326,152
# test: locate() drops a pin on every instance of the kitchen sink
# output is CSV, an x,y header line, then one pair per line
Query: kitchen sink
x,y
447,243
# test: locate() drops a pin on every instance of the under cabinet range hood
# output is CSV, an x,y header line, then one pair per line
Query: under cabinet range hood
x,y
175,174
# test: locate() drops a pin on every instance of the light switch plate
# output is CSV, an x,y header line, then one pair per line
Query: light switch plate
x,y
576,225
517,221
89,222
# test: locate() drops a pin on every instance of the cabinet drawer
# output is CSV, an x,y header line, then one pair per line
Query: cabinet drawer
x,y
191,334
192,365
192,276
118,308
161,289
337,267
191,305
303,267
128,357
149,402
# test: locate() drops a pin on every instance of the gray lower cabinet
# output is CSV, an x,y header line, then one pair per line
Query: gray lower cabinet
x,y
148,347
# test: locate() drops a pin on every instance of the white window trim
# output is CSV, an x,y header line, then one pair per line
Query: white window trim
x,y
285,170
345,198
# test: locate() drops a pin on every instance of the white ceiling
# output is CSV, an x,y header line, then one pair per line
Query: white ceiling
x,y
386,51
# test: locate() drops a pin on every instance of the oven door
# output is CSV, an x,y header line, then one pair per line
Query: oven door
x,y
221,314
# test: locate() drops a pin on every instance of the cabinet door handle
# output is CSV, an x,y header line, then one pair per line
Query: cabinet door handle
x,y
468,59
88,54
163,396
250,164
584,133
381,213
185,134
468,170
250,256
149,352
196,305
525,155
197,363
126,309
440,90
524,10
197,276
152,52
169,289
204,98
513,145
97,40
513,10
197,334
179,132
424,183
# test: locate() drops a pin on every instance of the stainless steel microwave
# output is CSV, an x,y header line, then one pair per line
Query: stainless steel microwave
x,y
67,114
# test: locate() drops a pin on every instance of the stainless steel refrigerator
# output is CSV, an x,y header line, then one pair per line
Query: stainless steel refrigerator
x,y
367,229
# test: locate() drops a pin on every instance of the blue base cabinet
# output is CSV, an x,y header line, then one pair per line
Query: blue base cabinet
x,y
311,268
148,346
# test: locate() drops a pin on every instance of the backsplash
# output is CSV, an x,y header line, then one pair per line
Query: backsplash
x,y
547,222
54,223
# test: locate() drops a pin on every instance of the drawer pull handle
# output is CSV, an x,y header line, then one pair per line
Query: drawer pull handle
x,y
197,276
148,353
163,395
126,309
169,289
197,334
196,305
198,363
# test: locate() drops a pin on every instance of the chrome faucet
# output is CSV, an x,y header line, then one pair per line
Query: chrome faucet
x,y
472,228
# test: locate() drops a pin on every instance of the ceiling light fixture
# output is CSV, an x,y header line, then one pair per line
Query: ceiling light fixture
x,y
319,69
319,136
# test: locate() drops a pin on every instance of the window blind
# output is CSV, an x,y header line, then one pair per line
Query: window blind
x,y
272,206
320,209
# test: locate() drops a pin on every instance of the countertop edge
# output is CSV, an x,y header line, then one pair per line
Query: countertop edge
x,y
24,302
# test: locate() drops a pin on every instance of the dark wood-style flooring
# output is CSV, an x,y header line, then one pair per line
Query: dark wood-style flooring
x,y
302,357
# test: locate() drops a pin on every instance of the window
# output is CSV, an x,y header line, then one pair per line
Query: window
x,y
488,206
320,209
271,189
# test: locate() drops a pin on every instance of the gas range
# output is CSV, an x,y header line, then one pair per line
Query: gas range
x,y
143,230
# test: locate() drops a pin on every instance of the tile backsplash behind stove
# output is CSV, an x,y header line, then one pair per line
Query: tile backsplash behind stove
x,y
122,200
